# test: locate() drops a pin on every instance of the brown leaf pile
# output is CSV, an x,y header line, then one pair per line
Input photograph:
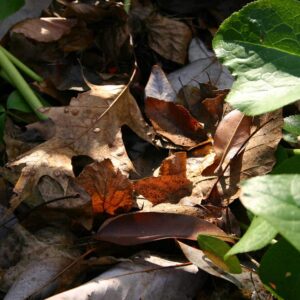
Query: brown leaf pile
x,y
75,176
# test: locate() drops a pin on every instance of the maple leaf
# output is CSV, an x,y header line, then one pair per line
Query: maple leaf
x,y
91,126
109,189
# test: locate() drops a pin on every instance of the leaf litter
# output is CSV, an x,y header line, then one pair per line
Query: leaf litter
x,y
72,191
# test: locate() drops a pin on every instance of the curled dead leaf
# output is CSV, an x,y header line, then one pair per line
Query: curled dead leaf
x,y
174,122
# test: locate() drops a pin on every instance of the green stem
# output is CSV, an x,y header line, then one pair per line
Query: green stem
x,y
21,66
21,84
127,4
5,77
292,152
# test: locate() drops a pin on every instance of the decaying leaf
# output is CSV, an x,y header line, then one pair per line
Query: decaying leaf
x,y
168,37
31,9
170,186
142,277
138,228
247,281
230,137
174,122
39,261
89,126
204,67
204,102
45,29
109,189
258,158
158,86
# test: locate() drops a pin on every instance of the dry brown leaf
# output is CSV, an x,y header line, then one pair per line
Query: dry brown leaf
x,y
143,276
45,29
109,189
158,86
204,102
231,135
170,186
258,158
174,122
168,37
247,281
89,126
143,227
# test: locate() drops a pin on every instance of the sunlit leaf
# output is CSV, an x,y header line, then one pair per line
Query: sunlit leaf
x,y
215,249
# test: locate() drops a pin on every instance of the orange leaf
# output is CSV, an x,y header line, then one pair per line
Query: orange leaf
x,y
110,190
171,185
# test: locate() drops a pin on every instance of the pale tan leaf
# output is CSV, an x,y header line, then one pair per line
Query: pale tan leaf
x,y
258,158
91,126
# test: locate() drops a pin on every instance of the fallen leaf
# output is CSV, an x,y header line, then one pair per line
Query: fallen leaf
x,y
89,126
139,228
158,86
204,102
147,276
204,67
247,281
109,189
258,158
231,135
168,37
174,122
39,262
31,9
45,29
170,186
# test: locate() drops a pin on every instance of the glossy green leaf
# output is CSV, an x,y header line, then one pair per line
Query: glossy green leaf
x,y
215,249
276,199
259,234
292,124
17,102
279,270
260,45
8,7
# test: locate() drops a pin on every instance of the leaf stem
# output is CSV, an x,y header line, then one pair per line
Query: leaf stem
x,y
5,77
20,83
21,66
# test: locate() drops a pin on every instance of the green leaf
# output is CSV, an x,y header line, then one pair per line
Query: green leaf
x,y
215,249
281,155
259,234
288,166
292,124
8,7
290,138
279,270
260,45
17,102
276,199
